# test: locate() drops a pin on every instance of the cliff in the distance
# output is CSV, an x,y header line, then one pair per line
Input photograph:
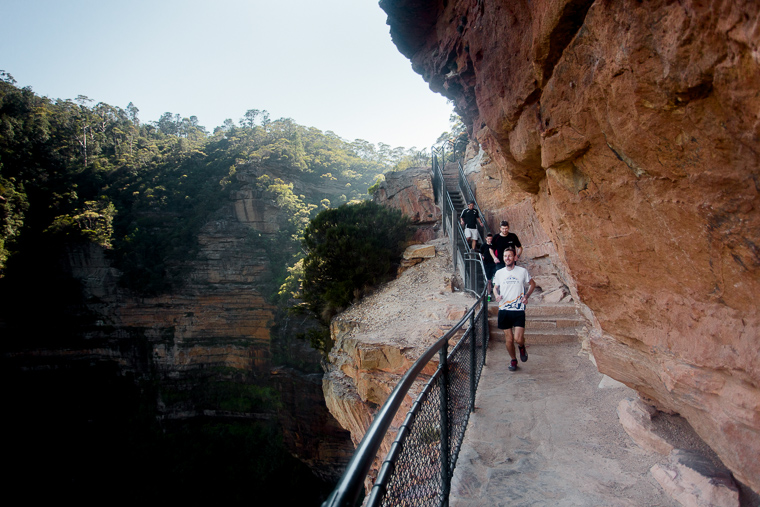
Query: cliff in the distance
x,y
631,128
209,345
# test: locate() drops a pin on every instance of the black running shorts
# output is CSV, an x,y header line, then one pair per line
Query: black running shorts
x,y
511,318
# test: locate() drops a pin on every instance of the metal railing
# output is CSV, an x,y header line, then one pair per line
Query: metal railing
x,y
418,468
460,249
469,195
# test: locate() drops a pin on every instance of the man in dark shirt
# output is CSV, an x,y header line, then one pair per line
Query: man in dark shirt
x,y
488,261
501,241
469,220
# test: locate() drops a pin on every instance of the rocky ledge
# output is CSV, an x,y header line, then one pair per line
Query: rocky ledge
x,y
378,339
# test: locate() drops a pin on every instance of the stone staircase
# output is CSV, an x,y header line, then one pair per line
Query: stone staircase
x,y
451,178
551,316
545,323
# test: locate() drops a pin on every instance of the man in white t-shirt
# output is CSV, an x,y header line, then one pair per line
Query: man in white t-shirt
x,y
509,288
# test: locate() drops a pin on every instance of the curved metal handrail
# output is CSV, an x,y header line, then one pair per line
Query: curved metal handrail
x,y
349,488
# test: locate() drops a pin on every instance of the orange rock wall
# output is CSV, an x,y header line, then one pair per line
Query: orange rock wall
x,y
218,319
633,130
411,192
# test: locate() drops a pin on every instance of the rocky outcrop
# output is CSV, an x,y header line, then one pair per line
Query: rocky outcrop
x,y
636,418
694,481
411,192
378,339
631,129
415,254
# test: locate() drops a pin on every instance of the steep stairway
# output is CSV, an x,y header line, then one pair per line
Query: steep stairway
x,y
551,316
451,178
545,323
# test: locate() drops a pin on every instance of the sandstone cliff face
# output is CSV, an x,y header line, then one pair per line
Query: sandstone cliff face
x,y
632,129
310,431
411,192
219,318
215,329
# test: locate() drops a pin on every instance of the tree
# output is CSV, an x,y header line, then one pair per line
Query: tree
x,y
166,124
249,119
132,112
6,77
13,205
458,137
349,249
93,222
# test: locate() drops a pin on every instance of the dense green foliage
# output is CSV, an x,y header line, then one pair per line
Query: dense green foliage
x,y
72,171
349,249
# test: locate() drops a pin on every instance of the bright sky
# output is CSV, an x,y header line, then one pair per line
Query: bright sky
x,y
327,64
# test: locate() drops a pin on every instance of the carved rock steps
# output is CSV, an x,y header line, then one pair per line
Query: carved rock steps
x,y
545,324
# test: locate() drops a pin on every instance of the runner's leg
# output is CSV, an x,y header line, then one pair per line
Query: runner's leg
x,y
510,343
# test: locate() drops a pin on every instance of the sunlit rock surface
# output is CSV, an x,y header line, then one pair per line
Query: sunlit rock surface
x,y
411,192
379,338
631,128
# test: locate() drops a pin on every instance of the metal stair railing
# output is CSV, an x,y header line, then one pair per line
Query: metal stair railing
x,y
460,249
469,195
418,468
450,222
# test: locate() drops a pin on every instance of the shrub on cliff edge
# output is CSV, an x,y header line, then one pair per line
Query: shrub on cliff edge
x,y
349,248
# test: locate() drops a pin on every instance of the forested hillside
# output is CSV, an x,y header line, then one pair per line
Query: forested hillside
x,y
176,350
77,171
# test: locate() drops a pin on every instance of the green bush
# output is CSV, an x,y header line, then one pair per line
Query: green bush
x,y
349,249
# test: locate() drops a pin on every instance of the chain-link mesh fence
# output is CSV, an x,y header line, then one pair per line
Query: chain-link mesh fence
x,y
414,473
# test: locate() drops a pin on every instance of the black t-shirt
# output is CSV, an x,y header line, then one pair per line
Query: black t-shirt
x,y
499,243
484,251
470,217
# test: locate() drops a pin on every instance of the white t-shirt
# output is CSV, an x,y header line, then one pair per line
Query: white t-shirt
x,y
511,285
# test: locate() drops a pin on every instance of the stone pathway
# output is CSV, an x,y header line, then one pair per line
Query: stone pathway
x,y
548,434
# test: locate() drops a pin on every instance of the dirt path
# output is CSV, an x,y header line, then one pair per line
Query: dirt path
x,y
547,434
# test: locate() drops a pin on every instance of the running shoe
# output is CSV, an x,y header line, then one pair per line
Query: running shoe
x,y
523,353
513,365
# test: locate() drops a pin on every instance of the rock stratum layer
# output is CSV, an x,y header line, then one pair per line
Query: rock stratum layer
x,y
213,335
632,128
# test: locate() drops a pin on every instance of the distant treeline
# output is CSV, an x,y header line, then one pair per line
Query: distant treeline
x,y
77,171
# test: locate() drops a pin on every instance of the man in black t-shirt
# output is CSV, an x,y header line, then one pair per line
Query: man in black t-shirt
x,y
469,220
488,261
501,241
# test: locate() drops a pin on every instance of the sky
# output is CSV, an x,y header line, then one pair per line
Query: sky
x,y
327,64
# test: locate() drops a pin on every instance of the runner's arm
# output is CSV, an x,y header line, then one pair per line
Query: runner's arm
x,y
531,288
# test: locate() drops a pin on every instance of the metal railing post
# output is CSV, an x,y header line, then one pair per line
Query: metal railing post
x,y
444,388
486,326
473,338
453,238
